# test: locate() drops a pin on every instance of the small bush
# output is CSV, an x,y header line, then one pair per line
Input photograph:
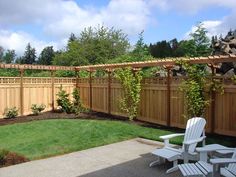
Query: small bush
x,y
68,106
64,102
36,109
11,112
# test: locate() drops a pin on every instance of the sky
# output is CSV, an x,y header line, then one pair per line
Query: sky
x,y
50,22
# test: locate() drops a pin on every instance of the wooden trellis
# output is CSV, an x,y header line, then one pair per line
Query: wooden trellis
x,y
108,85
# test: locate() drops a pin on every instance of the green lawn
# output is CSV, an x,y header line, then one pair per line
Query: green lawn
x,y
39,139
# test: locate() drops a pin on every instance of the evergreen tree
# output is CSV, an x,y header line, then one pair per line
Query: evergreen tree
x,y
29,55
9,56
46,56
72,37
161,49
1,53
141,49
201,41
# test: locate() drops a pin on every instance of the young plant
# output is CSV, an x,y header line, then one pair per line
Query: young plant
x,y
11,112
131,84
77,105
36,109
64,102
234,79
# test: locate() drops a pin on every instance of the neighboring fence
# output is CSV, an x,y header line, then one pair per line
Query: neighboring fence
x,y
23,92
160,107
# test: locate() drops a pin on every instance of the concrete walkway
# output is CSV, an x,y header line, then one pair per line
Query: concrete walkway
x,y
124,159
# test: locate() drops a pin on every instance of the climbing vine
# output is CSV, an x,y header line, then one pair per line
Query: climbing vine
x,y
131,84
193,88
196,88
234,79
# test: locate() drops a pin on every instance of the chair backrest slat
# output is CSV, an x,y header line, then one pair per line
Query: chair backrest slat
x,y
194,129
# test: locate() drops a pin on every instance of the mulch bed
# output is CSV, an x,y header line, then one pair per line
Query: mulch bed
x,y
59,115
42,116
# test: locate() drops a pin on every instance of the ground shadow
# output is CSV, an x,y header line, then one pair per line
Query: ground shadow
x,y
135,168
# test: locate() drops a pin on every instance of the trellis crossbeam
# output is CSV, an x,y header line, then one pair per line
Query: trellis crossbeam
x,y
162,62
151,63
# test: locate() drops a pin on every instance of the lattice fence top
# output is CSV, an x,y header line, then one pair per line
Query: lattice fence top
x,y
37,67
36,80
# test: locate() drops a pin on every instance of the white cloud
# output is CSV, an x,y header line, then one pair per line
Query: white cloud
x,y
212,27
217,27
58,18
19,40
191,6
130,16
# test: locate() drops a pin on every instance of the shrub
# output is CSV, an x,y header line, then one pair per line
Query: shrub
x,y
78,107
64,102
36,109
67,106
11,112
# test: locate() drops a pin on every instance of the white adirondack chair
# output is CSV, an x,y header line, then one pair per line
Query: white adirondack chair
x,y
204,169
194,133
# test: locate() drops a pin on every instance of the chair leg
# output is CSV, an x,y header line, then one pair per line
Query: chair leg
x,y
174,168
157,162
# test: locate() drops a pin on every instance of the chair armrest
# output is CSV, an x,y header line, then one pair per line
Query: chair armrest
x,y
194,141
222,161
167,137
203,149
164,137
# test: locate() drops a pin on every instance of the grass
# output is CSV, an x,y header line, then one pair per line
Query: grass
x,y
40,139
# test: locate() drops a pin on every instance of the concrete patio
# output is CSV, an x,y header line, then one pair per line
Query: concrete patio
x,y
124,159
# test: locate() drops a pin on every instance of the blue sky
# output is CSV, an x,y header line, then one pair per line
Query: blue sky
x,y
50,22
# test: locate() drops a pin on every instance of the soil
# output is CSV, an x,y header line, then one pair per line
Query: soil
x,y
41,116
13,158
60,115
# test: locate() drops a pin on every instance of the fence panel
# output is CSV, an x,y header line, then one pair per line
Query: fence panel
x,y
225,111
100,94
35,91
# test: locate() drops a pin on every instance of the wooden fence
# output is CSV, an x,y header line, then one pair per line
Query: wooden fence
x,y
23,92
159,104
160,107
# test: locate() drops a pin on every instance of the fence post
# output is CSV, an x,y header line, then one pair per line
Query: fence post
x,y
21,92
53,82
90,90
213,97
77,80
109,91
168,82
